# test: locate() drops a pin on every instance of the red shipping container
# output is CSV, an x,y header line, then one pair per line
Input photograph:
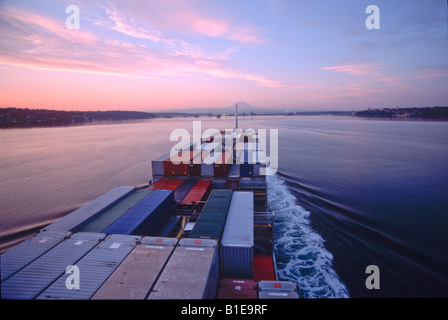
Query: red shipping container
x,y
223,164
181,169
237,289
194,169
199,192
167,184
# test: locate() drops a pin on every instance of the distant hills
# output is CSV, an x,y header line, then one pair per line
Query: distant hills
x,y
243,107
17,117
418,113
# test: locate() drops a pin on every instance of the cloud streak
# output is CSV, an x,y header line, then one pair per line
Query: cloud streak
x,y
38,41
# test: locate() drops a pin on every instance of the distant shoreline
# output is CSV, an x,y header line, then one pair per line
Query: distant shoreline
x,y
32,118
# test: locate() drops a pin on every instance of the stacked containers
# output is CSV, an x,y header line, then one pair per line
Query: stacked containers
x,y
199,257
233,177
221,166
212,219
259,163
72,220
148,217
182,168
95,267
237,244
159,163
157,167
247,161
194,167
106,218
29,282
26,252
137,274
208,156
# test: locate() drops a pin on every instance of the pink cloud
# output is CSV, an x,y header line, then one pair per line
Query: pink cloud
x,y
37,41
372,78
219,29
24,20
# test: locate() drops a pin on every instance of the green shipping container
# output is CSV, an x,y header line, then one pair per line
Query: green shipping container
x,y
210,224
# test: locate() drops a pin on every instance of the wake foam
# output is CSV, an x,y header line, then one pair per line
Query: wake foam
x,y
300,252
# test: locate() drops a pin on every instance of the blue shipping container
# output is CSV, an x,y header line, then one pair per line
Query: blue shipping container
x,y
148,217
183,189
247,164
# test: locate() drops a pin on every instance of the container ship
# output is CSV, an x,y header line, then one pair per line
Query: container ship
x,y
197,230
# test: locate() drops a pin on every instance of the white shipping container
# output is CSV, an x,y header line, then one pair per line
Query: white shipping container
x,y
29,282
26,252
277,290
192,272
237,243
94,268
137,274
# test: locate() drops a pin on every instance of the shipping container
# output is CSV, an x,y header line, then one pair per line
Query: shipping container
x,y
219,183
179,166
94,269
208,159
166,184
157,165
237,289
29,282
260,163
200,192
172,227
247,164
234,172
211,221
172,169
233,177
237,244
94,207
192,272
181,192
26,252
102,221
137,274
148,217
222,164
194,167
277,290
208,166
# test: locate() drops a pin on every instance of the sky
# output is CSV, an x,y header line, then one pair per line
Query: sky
x,y
150,55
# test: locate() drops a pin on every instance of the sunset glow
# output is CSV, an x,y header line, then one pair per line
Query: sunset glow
x,y
164,55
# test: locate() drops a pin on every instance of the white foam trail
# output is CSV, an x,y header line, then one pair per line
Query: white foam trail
x,y
301,254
